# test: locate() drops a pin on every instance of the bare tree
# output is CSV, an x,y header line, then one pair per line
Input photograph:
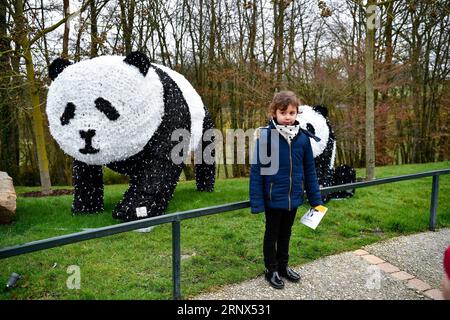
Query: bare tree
x,y
26,41
65,47
127,11
370,103
9,130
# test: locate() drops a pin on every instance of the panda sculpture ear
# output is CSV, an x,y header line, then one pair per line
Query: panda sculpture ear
x,y
139,60
322,110
57,66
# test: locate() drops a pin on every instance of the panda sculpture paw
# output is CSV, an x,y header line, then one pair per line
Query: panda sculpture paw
x,y
205,187
85,203
87,210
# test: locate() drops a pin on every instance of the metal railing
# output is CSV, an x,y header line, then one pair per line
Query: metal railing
x,y
175,219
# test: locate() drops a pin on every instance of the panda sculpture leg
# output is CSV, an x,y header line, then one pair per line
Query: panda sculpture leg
x,y
88,188
325,176
150,191
205,171
344,174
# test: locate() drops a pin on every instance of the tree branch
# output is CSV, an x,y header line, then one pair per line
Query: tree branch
x,y
9,7
7,52
55,26
382,3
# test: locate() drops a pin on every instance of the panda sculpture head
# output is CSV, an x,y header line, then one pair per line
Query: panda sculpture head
x,y
104,109
315,120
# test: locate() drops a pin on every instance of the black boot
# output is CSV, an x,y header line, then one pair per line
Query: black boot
x,y
289,274
274,279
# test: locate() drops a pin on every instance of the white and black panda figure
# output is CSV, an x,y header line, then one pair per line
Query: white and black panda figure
x,y
120,112
315,120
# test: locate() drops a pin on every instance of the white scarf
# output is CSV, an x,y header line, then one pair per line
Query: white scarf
x,y
288,132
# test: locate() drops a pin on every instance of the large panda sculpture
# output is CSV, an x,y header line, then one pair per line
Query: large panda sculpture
x,y
315,120
120,112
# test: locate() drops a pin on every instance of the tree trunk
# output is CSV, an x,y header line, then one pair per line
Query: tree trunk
x,y
370,104
65,51
78,41
389,47
94,29
126,19
9,129
35,100
291,50
189,172
279,42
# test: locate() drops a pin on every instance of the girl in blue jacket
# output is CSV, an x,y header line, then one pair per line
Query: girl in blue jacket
x,y
280,192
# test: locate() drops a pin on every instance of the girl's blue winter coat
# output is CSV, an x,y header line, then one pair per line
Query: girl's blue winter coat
x,y
296,173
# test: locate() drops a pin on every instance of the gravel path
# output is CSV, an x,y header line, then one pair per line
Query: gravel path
x,y
348,276
420,254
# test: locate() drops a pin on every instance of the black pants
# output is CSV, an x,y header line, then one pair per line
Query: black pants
x,y
276,238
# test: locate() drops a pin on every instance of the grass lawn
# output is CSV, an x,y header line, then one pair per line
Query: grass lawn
x,y
217,250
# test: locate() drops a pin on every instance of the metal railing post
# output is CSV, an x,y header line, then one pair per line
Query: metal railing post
x,y
434,203
176,259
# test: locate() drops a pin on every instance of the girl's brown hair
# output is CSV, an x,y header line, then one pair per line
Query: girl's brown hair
x,y
281,100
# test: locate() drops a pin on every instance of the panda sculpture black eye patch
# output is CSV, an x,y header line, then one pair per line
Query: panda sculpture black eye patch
x,y
69,113
106,107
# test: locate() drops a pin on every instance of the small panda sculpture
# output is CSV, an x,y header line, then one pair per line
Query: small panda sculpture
x,y
120,112
315,120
